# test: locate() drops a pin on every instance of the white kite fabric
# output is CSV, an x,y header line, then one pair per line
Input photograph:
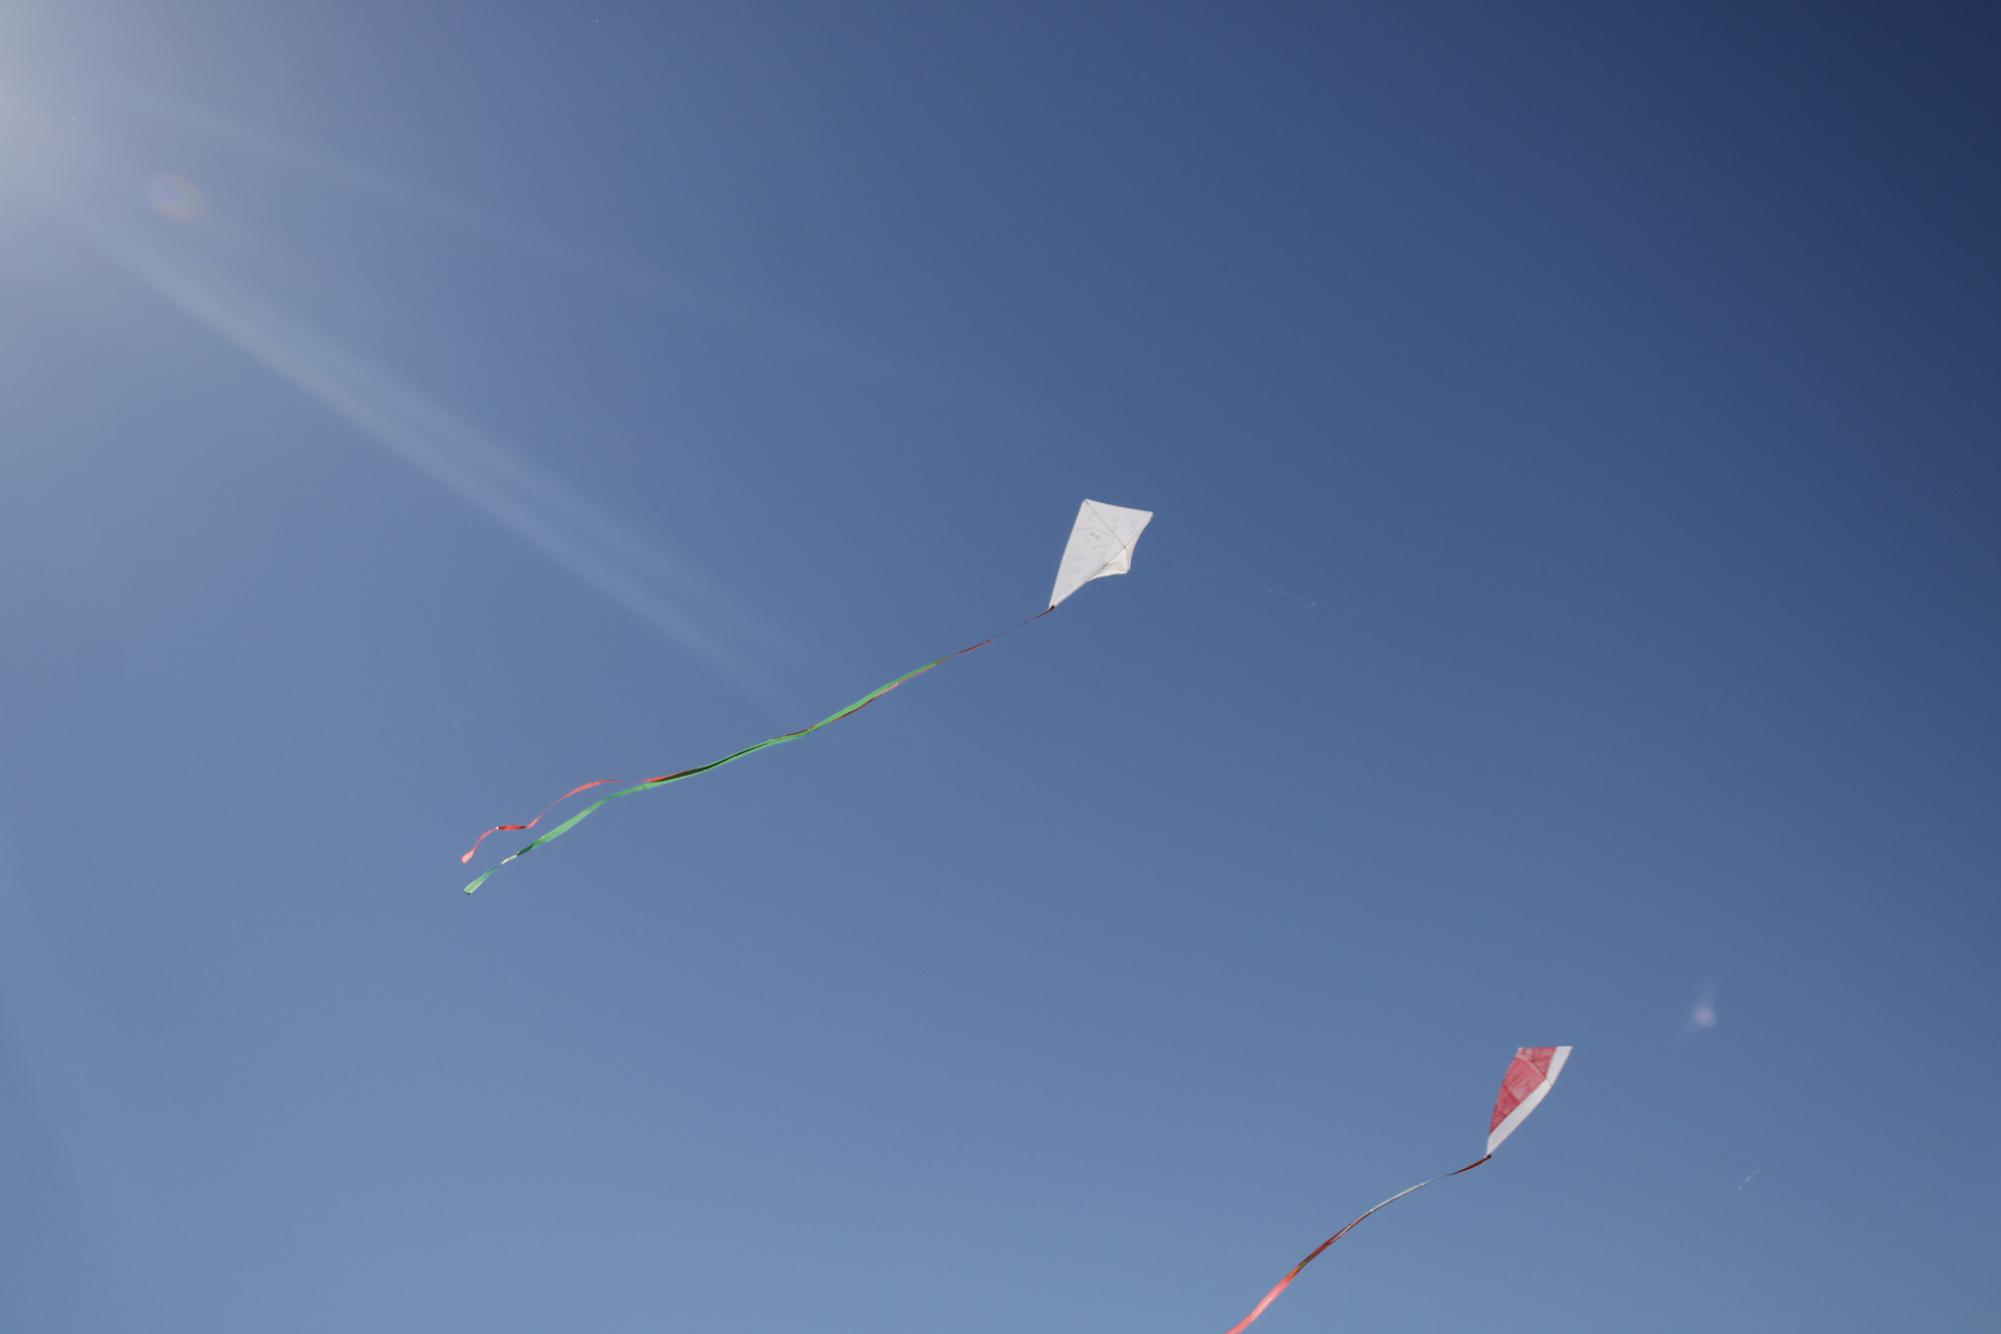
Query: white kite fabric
x,y
1101,543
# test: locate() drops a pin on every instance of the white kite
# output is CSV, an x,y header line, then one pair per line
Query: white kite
x,y
1101,543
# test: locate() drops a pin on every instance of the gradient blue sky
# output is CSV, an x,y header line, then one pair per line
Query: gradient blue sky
x,y
412,410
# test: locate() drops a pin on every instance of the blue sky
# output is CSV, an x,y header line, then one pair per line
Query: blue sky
x,y
412,411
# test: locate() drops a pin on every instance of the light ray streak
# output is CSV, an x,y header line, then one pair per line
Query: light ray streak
x,y
431,438
844,351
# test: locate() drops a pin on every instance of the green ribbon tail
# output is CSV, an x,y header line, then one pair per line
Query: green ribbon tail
x,y
653,784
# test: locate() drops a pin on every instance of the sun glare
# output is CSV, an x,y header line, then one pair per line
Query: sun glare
x,y
32,140
10,128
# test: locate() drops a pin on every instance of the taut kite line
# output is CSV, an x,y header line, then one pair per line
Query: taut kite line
x,y
1530,1077
1101,543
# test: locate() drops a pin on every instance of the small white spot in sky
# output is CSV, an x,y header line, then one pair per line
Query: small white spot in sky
x,y
1702,1015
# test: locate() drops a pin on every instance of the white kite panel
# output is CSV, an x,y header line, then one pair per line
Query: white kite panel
x,y
1101,543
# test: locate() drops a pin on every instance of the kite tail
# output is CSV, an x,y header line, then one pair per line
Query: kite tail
x,y
1286,1282
467,855
651,784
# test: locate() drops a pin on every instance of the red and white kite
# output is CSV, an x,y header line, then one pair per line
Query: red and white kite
x,y
1531,1075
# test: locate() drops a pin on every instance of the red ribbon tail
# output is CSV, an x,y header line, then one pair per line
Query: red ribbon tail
x,y
503,828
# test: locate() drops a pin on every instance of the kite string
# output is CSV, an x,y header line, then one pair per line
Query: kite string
x,y
651,783
1313,1255
1272,590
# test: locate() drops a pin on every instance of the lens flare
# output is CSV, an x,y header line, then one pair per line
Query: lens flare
x,y
176,198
